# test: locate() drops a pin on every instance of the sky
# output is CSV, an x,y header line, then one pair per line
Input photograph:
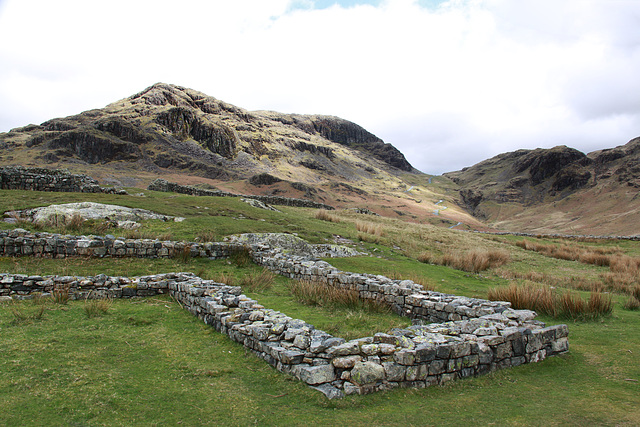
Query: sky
x,y
448,82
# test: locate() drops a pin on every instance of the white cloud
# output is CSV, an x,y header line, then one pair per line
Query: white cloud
x,y
449,85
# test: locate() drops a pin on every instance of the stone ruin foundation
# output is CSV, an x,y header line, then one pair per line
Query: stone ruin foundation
x,y
452,337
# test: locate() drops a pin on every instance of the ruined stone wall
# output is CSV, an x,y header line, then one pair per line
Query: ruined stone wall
x,y
166,186
19,242
41,179
470,337
419,356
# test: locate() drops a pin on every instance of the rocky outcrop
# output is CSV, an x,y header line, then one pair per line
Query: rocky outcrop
x,y
350,134
172,127
185,124
62,214
166,186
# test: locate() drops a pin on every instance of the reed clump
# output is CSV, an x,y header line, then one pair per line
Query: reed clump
x,y
258,282
316,293
545,300
325,215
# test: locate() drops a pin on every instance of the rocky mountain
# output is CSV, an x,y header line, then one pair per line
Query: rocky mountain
x,y
188,137
557,189
168,126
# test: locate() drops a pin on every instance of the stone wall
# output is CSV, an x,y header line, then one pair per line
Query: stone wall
x,y
41,179
166,186
471,336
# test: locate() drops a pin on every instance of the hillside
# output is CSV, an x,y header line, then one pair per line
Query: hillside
x,y
188,137
556,190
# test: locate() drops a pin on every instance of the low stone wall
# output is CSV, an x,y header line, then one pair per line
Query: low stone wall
x,y
41,179
405,297
471,336
19,242
418,356
166,186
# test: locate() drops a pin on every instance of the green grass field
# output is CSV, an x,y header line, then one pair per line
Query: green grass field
x,y
149,362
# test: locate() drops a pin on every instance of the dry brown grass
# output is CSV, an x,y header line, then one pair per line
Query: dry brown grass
x,y
371,228
544,300
475,260
97,307
632,304
580,283
325,215
222,277
317,293
585,254
258,282
60,294
425,282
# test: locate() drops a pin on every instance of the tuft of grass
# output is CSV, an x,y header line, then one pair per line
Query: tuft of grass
x,y
258,282
632,304
475,260
241,256
183,255
97,307
316,293
325,215
207,236
545,301
222,277
27,313
60,294
371,228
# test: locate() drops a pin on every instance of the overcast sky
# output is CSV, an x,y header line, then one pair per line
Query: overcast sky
x,y
449,83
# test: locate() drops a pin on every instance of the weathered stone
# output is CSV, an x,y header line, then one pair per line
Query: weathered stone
x,y
316,374
346,362
394,371
405,357
367,373
330,391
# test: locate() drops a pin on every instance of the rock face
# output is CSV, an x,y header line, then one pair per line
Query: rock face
x,y
577,190
172,127
524,176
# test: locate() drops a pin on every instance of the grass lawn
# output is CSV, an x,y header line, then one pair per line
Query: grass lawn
x,y
149,362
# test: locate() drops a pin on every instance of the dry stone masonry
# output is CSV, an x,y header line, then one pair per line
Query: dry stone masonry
x,y
42,179
452,337
166,186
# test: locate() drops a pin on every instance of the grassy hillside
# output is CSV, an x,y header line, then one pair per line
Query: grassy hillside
x,y
149,362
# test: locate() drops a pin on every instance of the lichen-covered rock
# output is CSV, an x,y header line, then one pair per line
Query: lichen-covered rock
x,y
367,373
